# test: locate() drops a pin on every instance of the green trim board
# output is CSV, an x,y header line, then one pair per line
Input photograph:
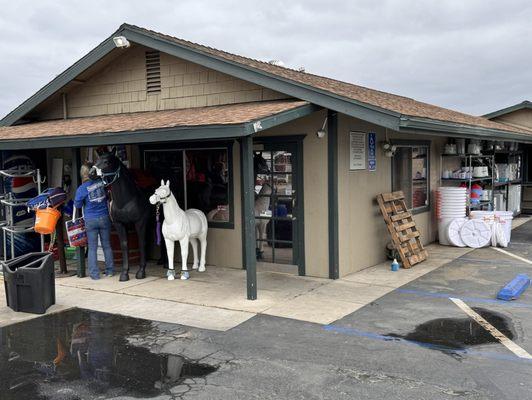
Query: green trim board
x,y
441,128
332,187
61,80
249,256
180,133
305,92
516,107
326,99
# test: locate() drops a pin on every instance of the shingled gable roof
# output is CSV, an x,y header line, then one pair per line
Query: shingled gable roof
x,y
214,122
516,107
385,109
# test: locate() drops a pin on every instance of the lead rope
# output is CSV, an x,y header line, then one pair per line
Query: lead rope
x,y
52,241
158,224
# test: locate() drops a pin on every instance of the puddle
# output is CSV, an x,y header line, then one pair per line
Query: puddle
x,y
79,354
447,334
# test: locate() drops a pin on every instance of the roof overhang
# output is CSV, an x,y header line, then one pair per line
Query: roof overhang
x,y
70,136
440,128
354,108
516,107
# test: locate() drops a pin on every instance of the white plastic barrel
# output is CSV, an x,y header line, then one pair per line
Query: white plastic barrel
x,y
505,219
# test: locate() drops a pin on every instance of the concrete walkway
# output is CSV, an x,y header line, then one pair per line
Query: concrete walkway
x,y
216,299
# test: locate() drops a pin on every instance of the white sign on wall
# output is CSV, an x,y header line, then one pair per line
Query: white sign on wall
x,y
357,150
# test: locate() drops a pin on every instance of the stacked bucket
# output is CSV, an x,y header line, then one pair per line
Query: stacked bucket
x,y
450,205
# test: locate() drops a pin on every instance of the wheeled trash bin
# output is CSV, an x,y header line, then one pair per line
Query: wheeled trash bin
x,y
30,282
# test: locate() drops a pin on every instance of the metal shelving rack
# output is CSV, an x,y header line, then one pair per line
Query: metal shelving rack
x,y
505,186
8,201
467,159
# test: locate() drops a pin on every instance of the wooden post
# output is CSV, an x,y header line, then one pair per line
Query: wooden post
x,y
249,256
60,238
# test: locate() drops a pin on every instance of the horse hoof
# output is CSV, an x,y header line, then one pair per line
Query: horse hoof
x,y
124,277
170,277
201,269
194,266
140,274
185,275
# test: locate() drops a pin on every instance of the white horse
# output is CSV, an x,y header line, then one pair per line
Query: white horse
x,y
262,204
184,226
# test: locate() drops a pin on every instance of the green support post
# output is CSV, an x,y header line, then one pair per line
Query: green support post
x,y
332,179
76,164
249,257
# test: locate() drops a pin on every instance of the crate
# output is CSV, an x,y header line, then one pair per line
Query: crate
x,y
29,282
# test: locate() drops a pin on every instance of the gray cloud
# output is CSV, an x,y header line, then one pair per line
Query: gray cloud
x,y
472,56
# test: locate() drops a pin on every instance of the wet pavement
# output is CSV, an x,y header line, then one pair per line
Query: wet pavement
x,y
79,354
412,343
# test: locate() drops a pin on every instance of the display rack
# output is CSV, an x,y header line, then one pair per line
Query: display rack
x,y
466,160
505,187
9,202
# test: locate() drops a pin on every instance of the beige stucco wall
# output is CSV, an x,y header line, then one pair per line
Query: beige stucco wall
x,y
121,88
362,232
518,118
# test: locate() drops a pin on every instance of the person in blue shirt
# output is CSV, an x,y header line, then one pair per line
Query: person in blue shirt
x,y
91,196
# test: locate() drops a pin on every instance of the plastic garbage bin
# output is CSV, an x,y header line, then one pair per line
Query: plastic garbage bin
x,y
30,282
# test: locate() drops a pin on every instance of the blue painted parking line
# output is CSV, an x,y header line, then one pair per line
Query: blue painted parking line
x,y
494,261
446,296
392,339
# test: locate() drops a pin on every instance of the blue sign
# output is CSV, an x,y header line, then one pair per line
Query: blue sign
x,y
372,152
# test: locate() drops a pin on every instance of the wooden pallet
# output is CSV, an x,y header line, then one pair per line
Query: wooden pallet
x,y
402,228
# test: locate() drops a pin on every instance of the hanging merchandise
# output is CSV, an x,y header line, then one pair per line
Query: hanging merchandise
x,y
46,220
76,233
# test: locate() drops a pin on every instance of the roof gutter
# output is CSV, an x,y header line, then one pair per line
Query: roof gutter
x,y
423,125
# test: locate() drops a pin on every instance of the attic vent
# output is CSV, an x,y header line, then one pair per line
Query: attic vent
x,y
153,72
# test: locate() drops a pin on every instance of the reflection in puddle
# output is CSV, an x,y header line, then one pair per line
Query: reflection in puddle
x,y
459,333
80,354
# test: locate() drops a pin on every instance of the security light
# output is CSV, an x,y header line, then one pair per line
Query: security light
x,y
121,41
320,133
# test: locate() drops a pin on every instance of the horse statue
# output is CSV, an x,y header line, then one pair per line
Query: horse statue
x,y
262,202
128,205
188,226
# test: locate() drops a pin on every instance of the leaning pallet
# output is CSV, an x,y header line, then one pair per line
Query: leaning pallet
x,y
402,228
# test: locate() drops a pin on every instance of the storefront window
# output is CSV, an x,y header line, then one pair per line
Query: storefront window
x,y
411,174
199,178
207,176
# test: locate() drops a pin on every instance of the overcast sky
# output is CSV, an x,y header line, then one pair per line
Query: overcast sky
x,y
473,56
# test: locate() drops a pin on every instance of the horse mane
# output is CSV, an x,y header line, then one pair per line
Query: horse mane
x,y
128,176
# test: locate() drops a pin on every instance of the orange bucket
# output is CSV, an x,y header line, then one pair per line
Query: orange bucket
x,y
46,220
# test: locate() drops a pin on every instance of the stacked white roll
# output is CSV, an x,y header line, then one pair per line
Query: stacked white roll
x,y
450,206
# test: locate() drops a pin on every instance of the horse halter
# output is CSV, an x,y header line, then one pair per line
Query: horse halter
x,y
103,175
160,199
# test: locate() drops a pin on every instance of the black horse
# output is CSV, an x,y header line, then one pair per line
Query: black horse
x,y
128,206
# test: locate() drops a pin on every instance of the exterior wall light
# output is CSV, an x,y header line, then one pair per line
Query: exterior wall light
x,y
320,133
121,42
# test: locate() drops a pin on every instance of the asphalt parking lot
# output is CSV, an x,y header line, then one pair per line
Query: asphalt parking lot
x,y
413,343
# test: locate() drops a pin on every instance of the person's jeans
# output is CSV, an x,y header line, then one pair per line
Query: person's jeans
x,y
99,226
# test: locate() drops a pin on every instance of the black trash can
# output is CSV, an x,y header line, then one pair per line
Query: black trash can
x,y
30,282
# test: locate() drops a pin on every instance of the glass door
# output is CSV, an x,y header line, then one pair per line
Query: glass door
x,y
277,211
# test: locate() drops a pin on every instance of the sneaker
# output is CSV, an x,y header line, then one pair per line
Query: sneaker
x,y
95,278
109,274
